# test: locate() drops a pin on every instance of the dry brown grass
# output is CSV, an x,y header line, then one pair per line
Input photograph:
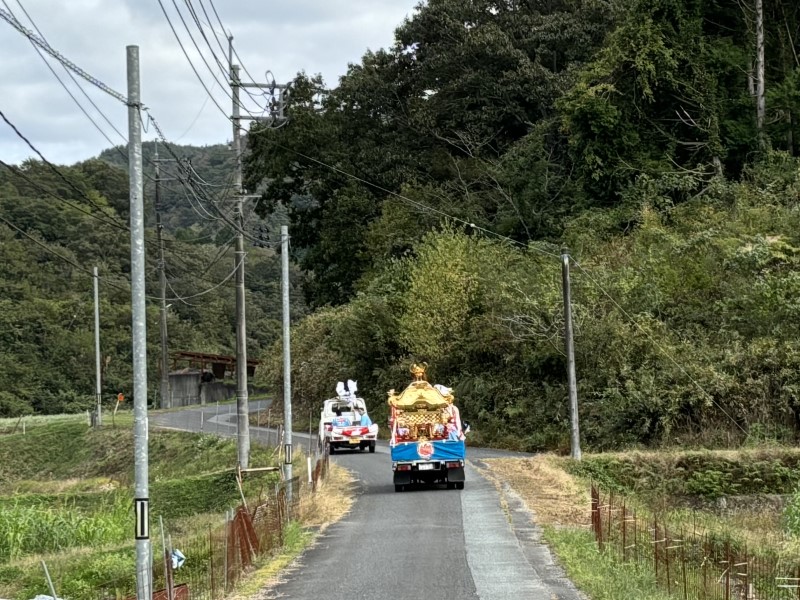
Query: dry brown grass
x,y
555,497
332,500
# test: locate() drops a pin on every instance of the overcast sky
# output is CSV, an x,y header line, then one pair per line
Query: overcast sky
x,y
317,36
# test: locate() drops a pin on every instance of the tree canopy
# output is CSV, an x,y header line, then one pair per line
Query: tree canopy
x,y
429,192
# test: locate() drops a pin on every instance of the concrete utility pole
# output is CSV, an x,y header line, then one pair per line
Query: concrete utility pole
x,y
144,571
164,391
761,109
98,391
242,408
575,435
287,362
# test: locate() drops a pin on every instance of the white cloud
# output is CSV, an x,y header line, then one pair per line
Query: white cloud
x,y
318,36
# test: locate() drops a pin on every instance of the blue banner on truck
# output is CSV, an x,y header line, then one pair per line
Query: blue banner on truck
x,y
429,450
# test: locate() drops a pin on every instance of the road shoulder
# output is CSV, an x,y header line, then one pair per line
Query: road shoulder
x,y
557,501
330,504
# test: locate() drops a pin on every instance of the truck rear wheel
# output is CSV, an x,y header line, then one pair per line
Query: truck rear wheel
x,y
399,488
459,485
332,449
372,447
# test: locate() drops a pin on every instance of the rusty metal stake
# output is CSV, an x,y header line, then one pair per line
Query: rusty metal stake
x,y
624,533
683,567
666,558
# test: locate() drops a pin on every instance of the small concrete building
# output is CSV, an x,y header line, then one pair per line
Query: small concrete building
x,y
202,380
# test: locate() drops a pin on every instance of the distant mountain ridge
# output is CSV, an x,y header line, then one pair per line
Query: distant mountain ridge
x,y
214,165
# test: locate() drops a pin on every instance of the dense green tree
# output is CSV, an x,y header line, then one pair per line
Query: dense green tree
x,y
430,119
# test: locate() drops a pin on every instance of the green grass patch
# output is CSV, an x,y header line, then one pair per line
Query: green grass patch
x,y
27,528
600,575
66,495
18,424
71,450
706,475
75,575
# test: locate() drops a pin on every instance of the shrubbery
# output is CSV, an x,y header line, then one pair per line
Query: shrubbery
x,y
685,322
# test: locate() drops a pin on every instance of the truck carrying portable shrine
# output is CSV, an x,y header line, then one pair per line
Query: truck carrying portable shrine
x,y
427,438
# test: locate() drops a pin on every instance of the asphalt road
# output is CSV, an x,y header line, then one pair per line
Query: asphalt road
x,y
447,544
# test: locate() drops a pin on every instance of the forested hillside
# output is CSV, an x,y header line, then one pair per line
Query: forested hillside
x,y
429,193
181,214
628,130
56,223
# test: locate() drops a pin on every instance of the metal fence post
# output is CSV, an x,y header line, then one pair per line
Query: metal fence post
x,y
211,561
666,559
624,532
49,581
728,570
683,565
655,546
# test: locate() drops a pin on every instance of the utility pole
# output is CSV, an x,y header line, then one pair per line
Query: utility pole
x,y
144,571
287,362
761,108
98,392
575,434
164,391
242,408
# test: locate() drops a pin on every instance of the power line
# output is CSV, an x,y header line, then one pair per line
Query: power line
x,y
63,177
53,168
75,81
197,116
16,171
196,20
421,206
191,64
72,263
204,292
113,223
197,47
60,256
187,181
655,343
231,47
11,20
41,43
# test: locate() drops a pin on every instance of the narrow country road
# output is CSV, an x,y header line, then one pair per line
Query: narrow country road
x,y
449,544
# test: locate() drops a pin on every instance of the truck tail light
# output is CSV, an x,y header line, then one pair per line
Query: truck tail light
x,y
405,467
328,427
454,465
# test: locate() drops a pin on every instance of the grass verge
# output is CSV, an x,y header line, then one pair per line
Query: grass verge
x,y
562,507
674,488
329,504
599,575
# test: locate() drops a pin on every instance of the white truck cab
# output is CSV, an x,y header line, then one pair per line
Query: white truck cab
x,y
340,423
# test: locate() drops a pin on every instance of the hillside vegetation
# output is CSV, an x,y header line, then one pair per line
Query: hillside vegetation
x,y
429,194
490,134
55,225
